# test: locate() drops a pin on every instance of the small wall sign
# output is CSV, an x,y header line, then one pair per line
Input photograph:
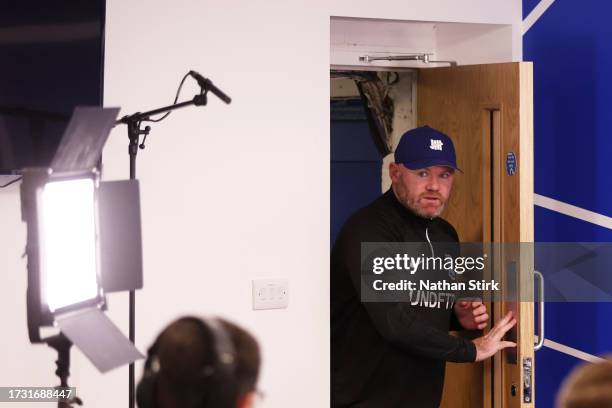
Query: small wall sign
x,y
511,163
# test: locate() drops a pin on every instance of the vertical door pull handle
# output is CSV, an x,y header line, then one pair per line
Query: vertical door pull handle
x,y
540,342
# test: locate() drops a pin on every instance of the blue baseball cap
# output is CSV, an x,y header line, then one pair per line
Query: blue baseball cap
x,y
423,147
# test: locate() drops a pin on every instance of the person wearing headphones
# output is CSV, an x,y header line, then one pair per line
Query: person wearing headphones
x,y
200,363
393,354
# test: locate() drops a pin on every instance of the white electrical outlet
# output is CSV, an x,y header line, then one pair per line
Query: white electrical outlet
x,y
270,294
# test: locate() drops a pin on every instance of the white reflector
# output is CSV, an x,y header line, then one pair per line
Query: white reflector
x,y
68,243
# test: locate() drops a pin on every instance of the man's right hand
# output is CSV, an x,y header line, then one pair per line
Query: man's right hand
x,y
492,342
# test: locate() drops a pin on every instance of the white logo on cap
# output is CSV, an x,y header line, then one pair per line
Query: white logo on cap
x,y
436,144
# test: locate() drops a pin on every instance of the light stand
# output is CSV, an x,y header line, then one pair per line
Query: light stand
x,y
134,123
62,345
67,210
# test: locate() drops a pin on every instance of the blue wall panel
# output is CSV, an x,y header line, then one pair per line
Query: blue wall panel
x,y
353,186
551,368
351,141
569,46
554,227
355,163
578,325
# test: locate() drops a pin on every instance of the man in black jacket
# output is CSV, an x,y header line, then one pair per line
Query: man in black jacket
x,y
393,354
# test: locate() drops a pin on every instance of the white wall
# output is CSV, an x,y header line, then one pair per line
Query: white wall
x,y
229,193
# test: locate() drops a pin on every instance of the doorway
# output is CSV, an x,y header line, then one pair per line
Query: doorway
x,y
487,110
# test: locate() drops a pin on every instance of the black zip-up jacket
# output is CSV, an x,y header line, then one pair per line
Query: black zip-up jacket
x,y
388,354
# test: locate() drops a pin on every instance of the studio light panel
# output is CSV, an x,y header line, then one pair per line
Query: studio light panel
x,y
68,243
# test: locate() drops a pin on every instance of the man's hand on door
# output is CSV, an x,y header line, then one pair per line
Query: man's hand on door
x,y
492,342
472,315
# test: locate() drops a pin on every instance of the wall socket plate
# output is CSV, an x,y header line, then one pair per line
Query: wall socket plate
x,y
270,294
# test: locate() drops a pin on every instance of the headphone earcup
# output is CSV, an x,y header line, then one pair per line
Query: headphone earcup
x,y
222,391
145,391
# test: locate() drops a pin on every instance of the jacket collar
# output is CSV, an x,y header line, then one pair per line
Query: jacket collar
x,y
406,212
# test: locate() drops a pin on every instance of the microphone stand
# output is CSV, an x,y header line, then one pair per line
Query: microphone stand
x,y
135,120
135,130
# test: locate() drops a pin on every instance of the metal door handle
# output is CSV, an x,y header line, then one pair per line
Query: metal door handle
x,y
540,342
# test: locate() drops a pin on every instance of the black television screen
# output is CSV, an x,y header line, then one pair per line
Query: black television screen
x,y
51,60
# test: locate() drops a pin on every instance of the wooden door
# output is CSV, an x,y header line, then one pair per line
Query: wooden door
x,y
488,112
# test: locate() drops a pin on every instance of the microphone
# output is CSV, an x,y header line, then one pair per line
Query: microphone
x,y
207,84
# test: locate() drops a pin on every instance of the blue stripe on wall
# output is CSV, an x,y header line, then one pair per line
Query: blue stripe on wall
x,y
528,6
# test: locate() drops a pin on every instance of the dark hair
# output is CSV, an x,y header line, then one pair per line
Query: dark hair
x,y
186,346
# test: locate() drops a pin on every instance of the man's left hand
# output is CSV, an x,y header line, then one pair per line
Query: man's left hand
x,y
472,315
